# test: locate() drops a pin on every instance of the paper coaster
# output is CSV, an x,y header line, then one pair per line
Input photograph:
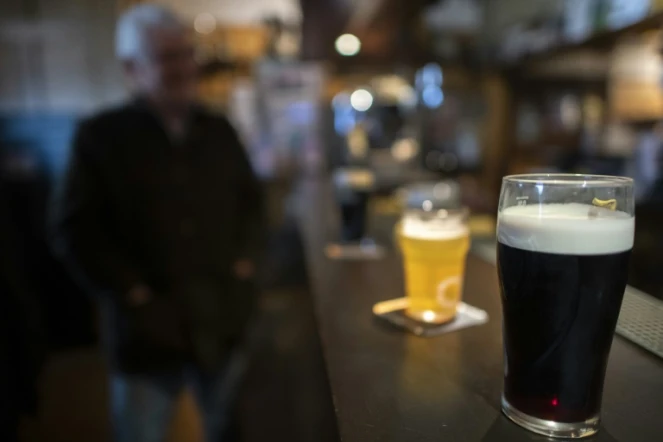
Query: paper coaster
x,y
393,311
364,250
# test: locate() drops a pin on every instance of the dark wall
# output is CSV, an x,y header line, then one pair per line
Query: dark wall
x,y
33,154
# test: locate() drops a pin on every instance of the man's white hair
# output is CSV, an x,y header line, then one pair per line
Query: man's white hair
x,y
134,25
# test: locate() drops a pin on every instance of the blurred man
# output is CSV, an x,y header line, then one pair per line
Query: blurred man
x,y
160,213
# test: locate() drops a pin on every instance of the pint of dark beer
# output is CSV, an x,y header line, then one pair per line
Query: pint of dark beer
x,y
564,243
352,192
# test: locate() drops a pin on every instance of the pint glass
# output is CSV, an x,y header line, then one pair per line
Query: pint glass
x,y
564,243
434,239
352,192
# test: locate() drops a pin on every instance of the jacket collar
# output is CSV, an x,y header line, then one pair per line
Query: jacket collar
x,y
143,104
196,112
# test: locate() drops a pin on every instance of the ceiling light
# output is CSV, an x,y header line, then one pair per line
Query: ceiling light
x,y
361,100
348,45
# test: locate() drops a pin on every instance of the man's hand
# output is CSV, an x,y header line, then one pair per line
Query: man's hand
x,y
139,295
244,269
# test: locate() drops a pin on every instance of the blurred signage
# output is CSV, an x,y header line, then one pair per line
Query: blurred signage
x,y
289,96
635,73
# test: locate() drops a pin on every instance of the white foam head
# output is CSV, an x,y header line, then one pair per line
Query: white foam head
x,y
570,229
434,229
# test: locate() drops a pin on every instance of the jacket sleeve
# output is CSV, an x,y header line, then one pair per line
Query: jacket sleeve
x,y
80,227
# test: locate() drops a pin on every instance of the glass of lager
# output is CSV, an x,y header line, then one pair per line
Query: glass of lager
x,y
564,243
434,239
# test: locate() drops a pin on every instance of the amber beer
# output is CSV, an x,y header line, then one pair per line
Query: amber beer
x,y
434,248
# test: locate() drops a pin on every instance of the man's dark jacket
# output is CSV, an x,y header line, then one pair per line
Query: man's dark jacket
x,y
137,207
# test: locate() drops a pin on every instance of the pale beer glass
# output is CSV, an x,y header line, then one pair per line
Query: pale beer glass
x,y
434,239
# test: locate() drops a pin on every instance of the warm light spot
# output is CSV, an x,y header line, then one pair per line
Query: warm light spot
x,y
554,402
405,149
429,316
334,251
205,23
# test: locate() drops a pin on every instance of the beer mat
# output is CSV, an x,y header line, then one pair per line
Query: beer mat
x,y
393,312
354,252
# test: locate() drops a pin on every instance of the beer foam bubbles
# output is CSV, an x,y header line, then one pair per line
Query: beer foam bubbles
x,y
569,229
433,229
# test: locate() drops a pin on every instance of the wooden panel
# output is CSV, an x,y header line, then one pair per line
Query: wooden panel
x,y
636,101
323,21
238,43
496,135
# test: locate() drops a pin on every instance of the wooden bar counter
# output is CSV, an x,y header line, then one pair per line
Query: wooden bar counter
x,y
391,386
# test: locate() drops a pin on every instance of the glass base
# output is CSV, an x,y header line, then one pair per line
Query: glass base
x,y
551,428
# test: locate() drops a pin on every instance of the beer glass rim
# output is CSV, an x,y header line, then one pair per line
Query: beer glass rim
x,y
460,211
569,179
